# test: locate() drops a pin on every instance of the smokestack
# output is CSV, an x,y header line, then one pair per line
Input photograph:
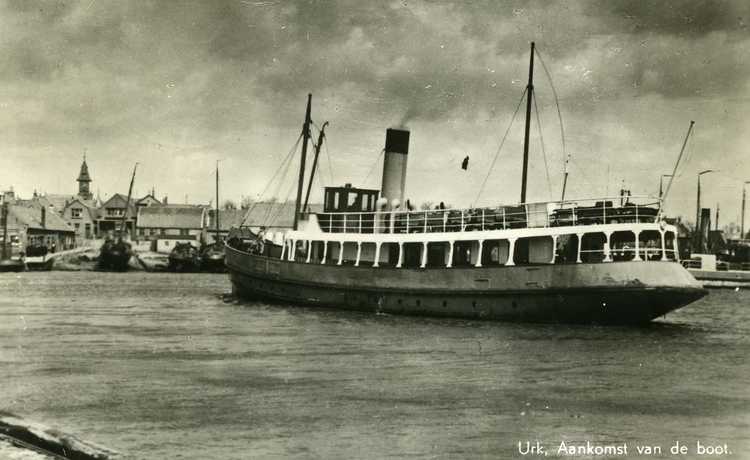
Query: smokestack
x,y
394,165
44,217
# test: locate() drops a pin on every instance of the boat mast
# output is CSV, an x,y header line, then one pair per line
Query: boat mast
x,y
216,239
5,230
529,93
127,203
314,165
742,220
305,138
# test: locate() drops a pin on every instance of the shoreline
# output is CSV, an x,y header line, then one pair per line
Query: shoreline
x,y
49,442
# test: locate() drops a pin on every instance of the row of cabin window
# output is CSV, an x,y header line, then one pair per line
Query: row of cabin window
x,y
527,251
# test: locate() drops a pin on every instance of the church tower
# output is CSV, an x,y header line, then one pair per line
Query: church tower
x,y
84,180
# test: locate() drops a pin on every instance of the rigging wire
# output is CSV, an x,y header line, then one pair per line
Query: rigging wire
x,y
282,178
372,168
677,165
688,153
330,165
281,206
499,148
541,139
328,156
268,185
566,156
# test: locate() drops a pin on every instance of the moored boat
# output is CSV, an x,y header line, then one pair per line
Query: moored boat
x,y
115,253
212,255
212,258
43,265
575,261
12,265
184,258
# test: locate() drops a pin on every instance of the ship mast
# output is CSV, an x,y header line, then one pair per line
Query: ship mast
x,y
300,184
5,230
127,203
529,94
321,136
216,238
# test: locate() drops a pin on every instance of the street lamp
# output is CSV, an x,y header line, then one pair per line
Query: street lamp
x,y
742,220
699,237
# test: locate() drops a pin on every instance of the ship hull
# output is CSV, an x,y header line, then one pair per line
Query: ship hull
x,y
605,293
183,265
213,265
113,261
11,266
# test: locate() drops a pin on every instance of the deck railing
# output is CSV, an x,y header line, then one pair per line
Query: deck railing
x,y
531,215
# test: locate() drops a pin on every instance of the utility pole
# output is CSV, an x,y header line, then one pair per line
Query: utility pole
x,y
529,92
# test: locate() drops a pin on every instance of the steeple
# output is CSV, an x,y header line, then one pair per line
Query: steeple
x,y
84,180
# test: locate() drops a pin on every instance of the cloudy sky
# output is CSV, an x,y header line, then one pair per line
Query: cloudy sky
x,y
177,85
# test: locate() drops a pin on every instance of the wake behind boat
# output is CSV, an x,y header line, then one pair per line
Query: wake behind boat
x,y
601,260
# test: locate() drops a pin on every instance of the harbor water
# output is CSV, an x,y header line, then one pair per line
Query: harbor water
x,y
161,366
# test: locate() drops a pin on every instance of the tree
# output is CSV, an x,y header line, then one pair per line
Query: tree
x,y
229,205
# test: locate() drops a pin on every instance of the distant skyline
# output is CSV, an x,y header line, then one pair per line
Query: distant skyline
x,y
177,86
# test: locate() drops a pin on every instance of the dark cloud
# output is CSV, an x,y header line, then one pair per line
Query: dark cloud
x,y
681,17
230,77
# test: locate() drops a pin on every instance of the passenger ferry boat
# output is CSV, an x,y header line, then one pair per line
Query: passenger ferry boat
x,y
604,260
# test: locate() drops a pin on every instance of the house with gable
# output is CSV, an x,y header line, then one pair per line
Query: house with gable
x,y
34,225
148,200
111,213
82,217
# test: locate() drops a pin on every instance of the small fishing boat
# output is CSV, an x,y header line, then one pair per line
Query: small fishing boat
x,y
184,258
116,251
115,255
12,265
43,265
212,255
212,258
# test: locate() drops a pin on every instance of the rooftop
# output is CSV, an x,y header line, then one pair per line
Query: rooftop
x,y
171,216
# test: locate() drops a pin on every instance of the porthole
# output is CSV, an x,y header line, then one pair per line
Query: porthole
x,y
445,303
